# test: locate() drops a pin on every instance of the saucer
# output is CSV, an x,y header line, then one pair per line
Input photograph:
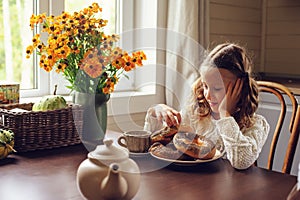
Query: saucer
x,y
190,162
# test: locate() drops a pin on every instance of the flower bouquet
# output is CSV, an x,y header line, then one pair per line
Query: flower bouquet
x,y
77,47
89,59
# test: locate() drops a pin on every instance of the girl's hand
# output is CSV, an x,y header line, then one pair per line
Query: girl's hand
x,y
164,113
228,105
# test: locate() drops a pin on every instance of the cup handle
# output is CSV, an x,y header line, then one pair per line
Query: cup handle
x,y
120,141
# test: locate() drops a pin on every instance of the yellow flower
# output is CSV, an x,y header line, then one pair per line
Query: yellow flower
x,y
139,56
29,51
129,64
109,86
78,48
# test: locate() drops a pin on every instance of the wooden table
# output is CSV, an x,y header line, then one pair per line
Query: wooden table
x,y
51,175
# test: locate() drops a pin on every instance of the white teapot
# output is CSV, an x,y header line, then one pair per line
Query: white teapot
x,y
108,173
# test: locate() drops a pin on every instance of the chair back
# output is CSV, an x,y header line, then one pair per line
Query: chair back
x,y
292,145
280,91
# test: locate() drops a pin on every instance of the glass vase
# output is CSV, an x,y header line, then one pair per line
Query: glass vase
x,y
94,117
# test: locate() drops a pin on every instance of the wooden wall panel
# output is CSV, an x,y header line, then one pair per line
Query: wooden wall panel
x,y
283,28
240,3
228,12
283,42
283,62
283,3
283,38
284,13
236,21
234,28
249,42
282,69
283,55
274,40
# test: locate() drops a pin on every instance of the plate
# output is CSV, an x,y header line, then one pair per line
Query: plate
x,y
218,155
132,154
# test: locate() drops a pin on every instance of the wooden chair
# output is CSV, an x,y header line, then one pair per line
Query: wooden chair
x,y
280,91
291,149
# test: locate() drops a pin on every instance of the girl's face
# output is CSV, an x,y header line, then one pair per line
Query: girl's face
x,y
215,83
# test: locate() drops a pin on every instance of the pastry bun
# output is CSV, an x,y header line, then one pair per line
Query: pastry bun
x,y
164,135
163,151
194,145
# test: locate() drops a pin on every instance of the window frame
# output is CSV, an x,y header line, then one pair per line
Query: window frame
x,y
44,81
40,76
139,99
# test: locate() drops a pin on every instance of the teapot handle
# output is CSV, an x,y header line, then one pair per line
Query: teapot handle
x,y
121,141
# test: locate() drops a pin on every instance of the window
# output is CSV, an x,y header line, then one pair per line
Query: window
x,y
16,35
14,67
110,12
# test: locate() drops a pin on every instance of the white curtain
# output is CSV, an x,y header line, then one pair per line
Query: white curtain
x,y
181,36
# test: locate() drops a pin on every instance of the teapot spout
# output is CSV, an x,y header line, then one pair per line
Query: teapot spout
x,y
114,185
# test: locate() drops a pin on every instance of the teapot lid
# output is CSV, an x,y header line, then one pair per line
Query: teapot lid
x,y
109,152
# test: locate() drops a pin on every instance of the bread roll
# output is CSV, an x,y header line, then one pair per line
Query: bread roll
x,y
163,151
194,145
164,135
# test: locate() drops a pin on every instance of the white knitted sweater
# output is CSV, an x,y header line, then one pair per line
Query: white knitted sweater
x,y
242,147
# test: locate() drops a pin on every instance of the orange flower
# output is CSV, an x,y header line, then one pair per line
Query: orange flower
x,y
129,65
139,55
61,67
77,46
93,70
29,51
116,53
109,86
118,63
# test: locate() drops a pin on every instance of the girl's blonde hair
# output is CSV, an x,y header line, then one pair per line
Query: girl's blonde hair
x,y
235,59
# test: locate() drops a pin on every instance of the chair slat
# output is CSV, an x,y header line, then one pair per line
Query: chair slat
x,y
279,91
292,146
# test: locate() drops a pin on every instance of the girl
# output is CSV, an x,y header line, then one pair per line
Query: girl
x,y
222,107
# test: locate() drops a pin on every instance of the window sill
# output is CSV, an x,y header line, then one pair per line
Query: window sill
x,y
120,103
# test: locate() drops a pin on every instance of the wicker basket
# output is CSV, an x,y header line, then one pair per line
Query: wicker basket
x,y
42,129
